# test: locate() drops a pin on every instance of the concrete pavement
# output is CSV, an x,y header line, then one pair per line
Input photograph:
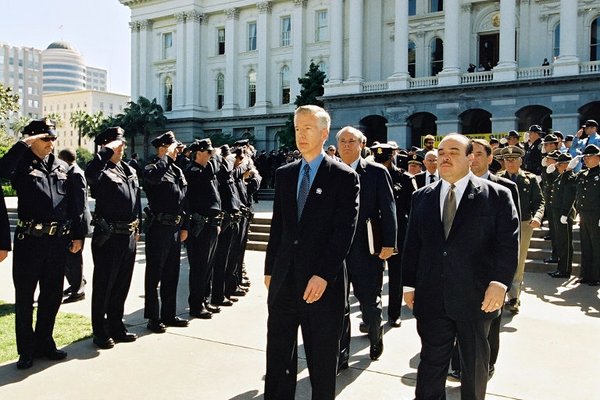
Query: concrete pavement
x,y
551,350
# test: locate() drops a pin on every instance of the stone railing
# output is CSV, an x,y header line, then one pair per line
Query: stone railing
x,y
426,81
590,67
534,72
477,77
376,86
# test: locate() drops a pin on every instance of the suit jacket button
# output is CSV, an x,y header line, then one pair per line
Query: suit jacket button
x,y
444,254
295,242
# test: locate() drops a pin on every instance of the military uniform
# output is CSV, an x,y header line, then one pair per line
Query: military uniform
x,y
532,160
165,186
204,207
116,188
46,209
588,207
547,186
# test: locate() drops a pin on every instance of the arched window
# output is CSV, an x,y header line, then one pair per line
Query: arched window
x,y
412,56
251,89
168,94
285,85
437,56
556,44
220,91
595,40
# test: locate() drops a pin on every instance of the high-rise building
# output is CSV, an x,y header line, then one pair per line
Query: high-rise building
x,y
21,70
397,69
95,78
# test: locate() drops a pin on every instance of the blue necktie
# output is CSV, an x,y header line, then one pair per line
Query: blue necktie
x,y
304,189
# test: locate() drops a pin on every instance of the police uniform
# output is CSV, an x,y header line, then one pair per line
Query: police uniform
x,y
43,233
588,207
532,208
547,186
116,188
563,213
204,207
532,160
165,186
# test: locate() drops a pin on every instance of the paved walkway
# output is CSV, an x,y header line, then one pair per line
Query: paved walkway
x,y
549,351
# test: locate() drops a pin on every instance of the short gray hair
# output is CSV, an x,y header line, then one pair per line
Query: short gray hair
x,y
323,118
357,133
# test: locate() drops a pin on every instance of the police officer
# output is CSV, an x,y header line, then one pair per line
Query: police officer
x,y
204,206
115,186
532,160
588,206
513,139
165,186
550,145
563,213
46,209
532,211
415,166
403,186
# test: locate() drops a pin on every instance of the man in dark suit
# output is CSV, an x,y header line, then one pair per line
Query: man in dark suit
x,y
460,255
365,270
314,219
430,175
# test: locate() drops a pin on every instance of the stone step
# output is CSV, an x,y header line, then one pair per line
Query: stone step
x,y
261,221
543,231
260,228
258,236
541,266
256,246
541,254
539,243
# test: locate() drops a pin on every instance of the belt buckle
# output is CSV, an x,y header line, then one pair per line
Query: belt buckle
x,y
38,227
178,219
52,230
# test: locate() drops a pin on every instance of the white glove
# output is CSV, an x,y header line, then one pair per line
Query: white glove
x,y
544,162
550,168
526,137
573,163
544,150
563,219
538,178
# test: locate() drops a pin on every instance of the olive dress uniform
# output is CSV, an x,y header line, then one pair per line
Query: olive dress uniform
x,y
563,213
116,224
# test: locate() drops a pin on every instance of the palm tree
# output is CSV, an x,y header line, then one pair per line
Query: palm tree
x,y
80,120
143,117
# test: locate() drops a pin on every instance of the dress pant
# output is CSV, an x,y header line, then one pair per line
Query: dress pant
x,y
201,252
524,240
438,336
233,270
550,216
320,323
37,260
493,340
113,268
563,236
74,271
163,257
395,291
590,249
221,262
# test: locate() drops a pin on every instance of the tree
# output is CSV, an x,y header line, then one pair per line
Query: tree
x,y
312,88
142,118
57,118
19,124
80,120
83,157
9,103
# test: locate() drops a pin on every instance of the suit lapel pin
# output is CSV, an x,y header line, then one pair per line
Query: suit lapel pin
x,y
471,196
319,191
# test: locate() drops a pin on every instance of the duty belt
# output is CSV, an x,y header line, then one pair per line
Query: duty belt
x,y
169,219
39,229
123,227
212,221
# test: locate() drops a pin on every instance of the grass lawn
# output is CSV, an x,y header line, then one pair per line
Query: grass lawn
x,y
69,328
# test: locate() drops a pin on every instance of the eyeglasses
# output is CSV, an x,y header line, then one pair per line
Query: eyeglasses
x,y
48,139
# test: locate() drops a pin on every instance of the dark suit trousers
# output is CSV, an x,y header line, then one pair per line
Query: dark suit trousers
x,y
221,262
201,252
493,340
395,275
37,260
74,271
113,269
321,324
163,253
437,341
590,251
563,237
233,272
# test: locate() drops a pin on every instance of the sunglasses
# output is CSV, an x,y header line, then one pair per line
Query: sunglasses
x,y
48,139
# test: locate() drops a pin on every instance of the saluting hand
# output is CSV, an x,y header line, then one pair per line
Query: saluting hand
x,y
493,299
314,289
386,252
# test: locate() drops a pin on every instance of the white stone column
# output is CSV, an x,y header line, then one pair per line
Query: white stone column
x,y
297,69
450,75
263,78
135,59
192,61
565,122
231,104
145,61
567,62
506,70
336,43
399,80
355,47
179,87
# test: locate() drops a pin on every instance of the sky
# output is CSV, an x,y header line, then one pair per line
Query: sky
x,y
98,29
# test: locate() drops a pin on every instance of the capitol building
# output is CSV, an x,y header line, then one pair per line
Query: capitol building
x,y
398,69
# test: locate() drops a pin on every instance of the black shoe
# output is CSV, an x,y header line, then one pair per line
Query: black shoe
x,y
513,306
547,237
363,328
125,337
68,291
203,313
454,375
558,274
594,283
104,342
245,284
550,260
342,365
491,370
239,293
156,326
395,323
212,308
553,273
176,322
376,349
55,355
232,299
74,297
25,362
224,303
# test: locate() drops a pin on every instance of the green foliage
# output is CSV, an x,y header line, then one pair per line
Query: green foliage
x,y
219,139
312,88
57,118
9,103
84,156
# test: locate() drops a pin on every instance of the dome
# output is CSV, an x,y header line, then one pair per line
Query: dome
x,y
60,45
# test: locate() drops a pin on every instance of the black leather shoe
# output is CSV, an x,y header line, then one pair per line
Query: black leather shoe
x,y
104,342
342,365
212,308
560,275
156,326
55,355
376,350
547,237
232,299
594,283
74,297
239,293
395,323
245,284
363,328
25,362
225,303
176,322
550,260
553,273
454,375
203,313
125,337
513,306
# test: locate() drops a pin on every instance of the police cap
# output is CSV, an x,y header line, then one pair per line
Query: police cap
x,y
201,145
242,142
109,135
225,150
514,133
569,138
415,159
550,138
382,152
535,128
39,126
512,152
564,158
591,122
553,155
165,139
591,150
